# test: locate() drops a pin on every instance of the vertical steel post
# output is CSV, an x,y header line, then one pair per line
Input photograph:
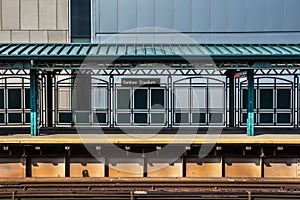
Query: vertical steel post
x,y
49,99
112,109
250,119
169,104
34,106
231,100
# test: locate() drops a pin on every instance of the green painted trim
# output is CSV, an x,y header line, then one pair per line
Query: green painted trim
x,y
99,50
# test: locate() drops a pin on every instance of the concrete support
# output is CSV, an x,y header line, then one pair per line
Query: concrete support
x,y
250,119
34,105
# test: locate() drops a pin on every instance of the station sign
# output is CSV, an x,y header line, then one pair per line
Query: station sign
x,y
140,82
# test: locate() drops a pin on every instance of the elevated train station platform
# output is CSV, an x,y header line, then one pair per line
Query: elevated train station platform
x,y
42,76
208,111
245,90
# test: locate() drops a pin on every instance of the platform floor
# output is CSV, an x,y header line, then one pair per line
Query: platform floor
x,y
151,139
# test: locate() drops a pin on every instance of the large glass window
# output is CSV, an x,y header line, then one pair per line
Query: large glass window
x,y
14,101
199,102
81,21
141,106
272,102
87,103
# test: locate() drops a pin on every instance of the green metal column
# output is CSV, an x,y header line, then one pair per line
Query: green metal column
x,y
250,119
34,106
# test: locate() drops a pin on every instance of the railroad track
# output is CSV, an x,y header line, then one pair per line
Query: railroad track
x,y
149,188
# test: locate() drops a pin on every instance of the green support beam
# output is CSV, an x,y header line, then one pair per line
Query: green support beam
x,y
250,119
34,106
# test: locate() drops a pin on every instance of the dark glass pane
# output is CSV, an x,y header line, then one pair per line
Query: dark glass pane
x,y
1,117
181,118
198,118
82,117
80,18
123,118
65,117
1,99
14,118
27,98
266,98
14,98
283,98
245,99
100,118
27,117
82,90
215,118
140,118
266,118
140,99
158,118
123,97
244,118
284,118
157,99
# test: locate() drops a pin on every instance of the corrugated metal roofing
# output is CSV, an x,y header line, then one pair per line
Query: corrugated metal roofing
x,y
132,50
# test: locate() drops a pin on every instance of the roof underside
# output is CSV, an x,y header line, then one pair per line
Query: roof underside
x,y
81,51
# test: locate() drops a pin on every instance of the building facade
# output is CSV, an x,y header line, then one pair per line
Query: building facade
x,y
34,21
205,21
248,38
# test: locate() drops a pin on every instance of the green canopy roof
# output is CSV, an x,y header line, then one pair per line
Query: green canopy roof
x,y
136,51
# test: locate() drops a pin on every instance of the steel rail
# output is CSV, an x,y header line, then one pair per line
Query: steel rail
x,y
143,188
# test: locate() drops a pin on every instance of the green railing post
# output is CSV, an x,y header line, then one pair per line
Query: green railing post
x,y
34,106
250,119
